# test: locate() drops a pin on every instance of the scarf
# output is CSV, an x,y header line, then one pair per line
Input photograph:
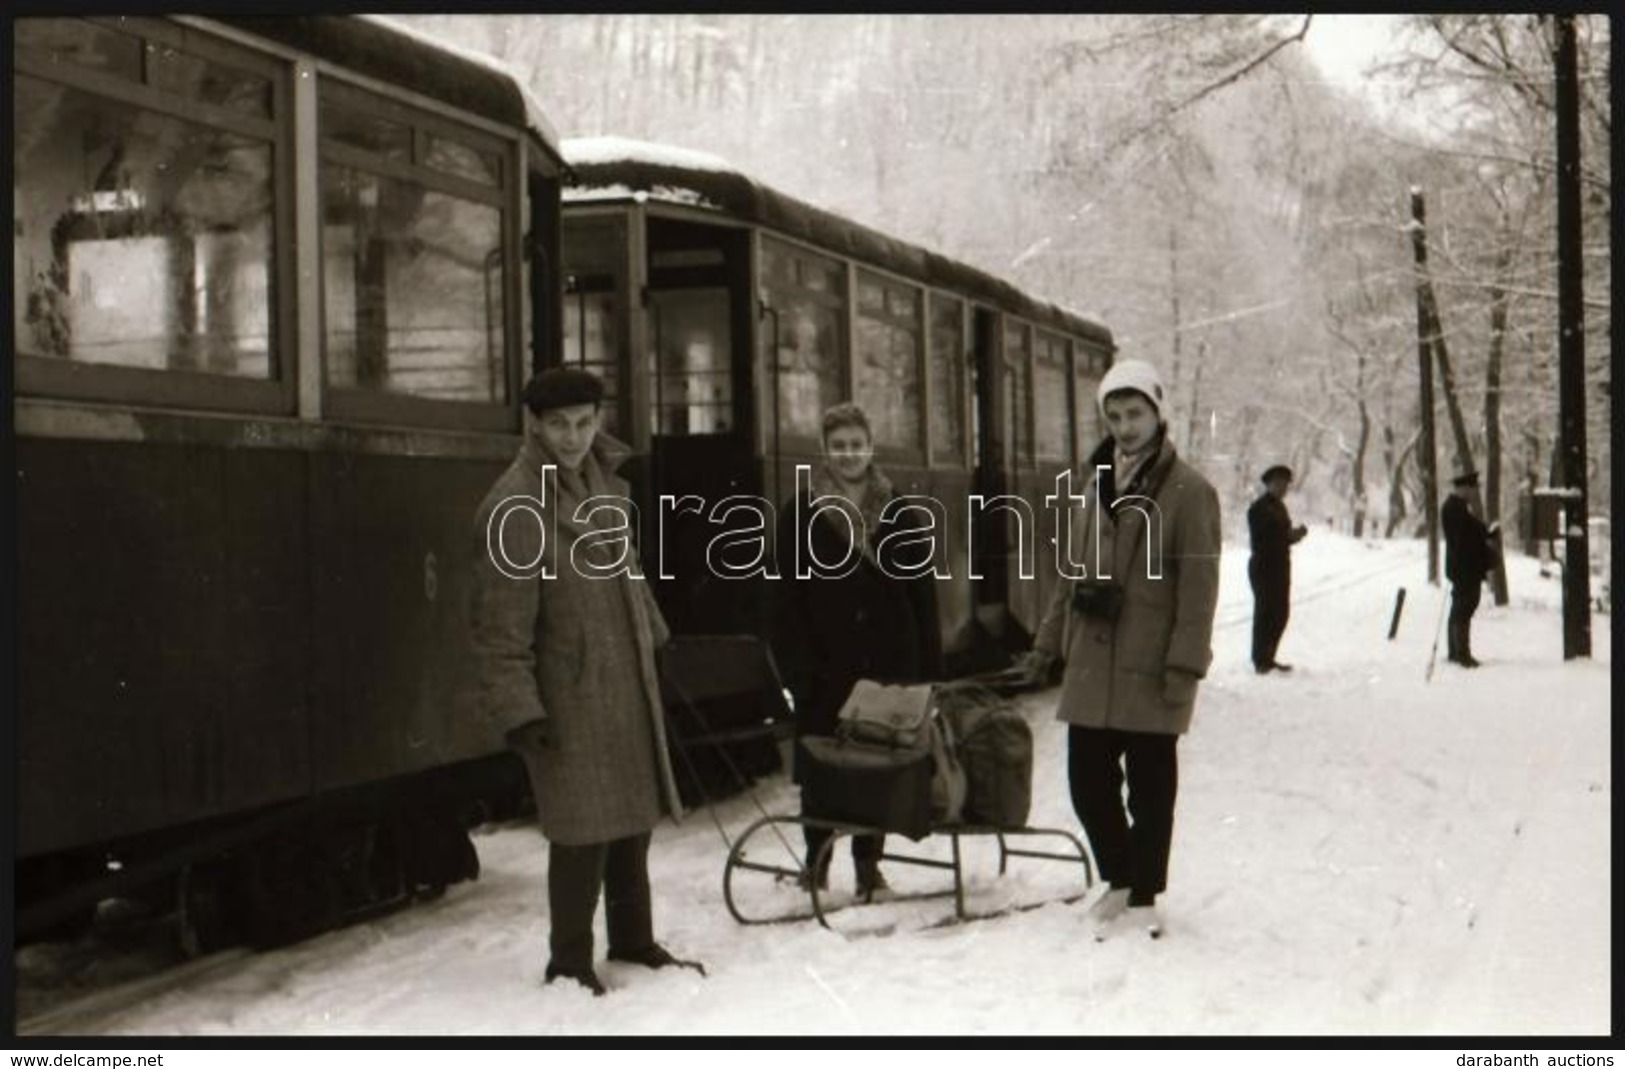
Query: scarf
x,y
574,488
864,514
1130,471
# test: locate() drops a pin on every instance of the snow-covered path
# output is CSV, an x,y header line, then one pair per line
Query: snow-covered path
x,y
1357,851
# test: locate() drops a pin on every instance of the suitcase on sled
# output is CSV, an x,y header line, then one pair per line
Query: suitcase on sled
x,y
864,783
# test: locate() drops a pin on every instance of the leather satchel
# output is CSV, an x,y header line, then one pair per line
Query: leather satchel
x,y
904,718
888,714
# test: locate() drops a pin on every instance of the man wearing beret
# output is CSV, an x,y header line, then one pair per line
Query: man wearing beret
x,y
1270,568
566,631
1468,554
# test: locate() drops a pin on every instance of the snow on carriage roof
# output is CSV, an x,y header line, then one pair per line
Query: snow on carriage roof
x,y
603,150
623,168
584,150
535,116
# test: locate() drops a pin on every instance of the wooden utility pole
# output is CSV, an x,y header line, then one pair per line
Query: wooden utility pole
x,y
1571,394
1452,405
1424,364
1499,301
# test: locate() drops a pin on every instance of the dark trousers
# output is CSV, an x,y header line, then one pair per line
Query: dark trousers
x,y
1272,604
574,875
1132,856
864,847
1464,598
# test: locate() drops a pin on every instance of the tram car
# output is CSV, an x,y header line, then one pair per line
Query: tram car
x,y
727,315
278,282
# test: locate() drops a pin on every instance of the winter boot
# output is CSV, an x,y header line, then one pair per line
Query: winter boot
x,y
1143,919
870,880
1107,908
655,956
1132,920
585,977
1453,642
1467,658
806,879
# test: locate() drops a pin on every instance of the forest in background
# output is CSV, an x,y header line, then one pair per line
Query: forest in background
x,y
1193,182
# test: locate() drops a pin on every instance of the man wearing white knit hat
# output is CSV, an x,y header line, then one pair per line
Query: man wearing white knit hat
x,y
1136,637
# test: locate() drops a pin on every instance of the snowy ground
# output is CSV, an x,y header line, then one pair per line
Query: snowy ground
x,y
1357,851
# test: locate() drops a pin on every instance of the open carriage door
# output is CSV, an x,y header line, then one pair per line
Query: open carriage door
x,y
697,385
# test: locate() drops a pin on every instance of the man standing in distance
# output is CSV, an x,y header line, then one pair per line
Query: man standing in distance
x,y
1467,556
1269,570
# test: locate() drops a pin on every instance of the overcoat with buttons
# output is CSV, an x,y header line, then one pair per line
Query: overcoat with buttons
x,y
573,641
1469,555
1116,671
831,632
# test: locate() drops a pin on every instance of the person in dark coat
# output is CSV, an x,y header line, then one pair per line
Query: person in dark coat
x,y
1133,658
831,630
566,630
1468,556
1269,570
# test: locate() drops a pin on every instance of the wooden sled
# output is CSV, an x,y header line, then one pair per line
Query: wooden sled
x,y
819,907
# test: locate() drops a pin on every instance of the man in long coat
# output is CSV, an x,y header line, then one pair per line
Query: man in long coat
x,y
1136,637
1269,570
1467,562
566,632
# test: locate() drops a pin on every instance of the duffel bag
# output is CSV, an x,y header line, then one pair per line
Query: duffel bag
x,y
996,750
883,787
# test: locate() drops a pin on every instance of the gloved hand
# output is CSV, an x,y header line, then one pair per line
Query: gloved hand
x,y
1299,531
533,734
1035,665
1178,688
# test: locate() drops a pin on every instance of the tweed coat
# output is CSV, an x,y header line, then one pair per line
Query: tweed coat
x,y
576,649
1115,672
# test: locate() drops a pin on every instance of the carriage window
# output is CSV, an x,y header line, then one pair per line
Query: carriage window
x,y
590,341
594,263
1018,428
414,266
454,157
1052,430
141,238
413,289
1087,368
947,379
371,133
804,292
693,382
887,377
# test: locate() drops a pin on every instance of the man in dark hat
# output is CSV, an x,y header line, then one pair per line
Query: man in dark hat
x,y
1270,568
566,631
1468,554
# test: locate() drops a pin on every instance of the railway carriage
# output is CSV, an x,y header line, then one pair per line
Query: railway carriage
x,y
276,285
